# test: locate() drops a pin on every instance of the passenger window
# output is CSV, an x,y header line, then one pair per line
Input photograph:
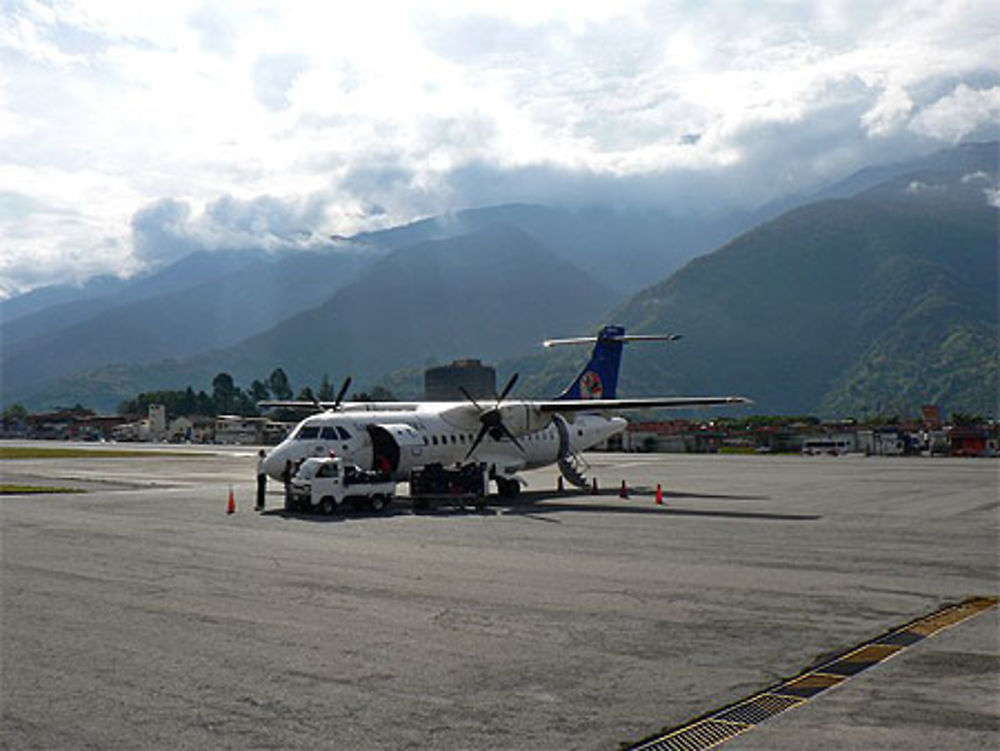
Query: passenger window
x,y
461,437
425,440
434,440
344,435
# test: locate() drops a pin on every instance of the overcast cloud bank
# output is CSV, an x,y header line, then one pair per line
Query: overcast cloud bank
x,y
130,134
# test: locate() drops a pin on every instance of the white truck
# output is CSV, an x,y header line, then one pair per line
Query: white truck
x,y
326,484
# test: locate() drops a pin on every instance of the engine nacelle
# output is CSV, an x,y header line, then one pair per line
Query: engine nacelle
x,y
523,418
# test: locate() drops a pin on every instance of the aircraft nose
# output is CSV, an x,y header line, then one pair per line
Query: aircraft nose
x,y
274,463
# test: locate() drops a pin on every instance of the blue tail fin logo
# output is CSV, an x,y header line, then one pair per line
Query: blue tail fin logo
x,y
599,377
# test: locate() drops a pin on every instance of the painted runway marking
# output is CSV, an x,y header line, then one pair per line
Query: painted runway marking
x,y
729,722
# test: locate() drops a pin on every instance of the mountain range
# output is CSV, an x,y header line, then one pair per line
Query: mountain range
x,y
877,303
880,294
159,317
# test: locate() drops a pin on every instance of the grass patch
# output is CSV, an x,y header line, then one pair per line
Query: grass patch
x,y
742,450
40,452
34,490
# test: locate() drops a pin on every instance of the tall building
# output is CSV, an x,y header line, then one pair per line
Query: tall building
x,y
441,383
157,421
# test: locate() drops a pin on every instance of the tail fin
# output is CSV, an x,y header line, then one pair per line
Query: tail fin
x,y
599,377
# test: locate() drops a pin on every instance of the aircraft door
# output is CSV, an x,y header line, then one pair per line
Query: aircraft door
x,y
395,448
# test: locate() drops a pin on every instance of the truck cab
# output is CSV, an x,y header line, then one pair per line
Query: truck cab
x,y
326,484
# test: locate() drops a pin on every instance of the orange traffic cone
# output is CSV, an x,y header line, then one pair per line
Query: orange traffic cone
x,y
231,506
659,495
623,493
593,487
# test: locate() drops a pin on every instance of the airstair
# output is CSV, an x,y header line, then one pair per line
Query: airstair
x,y
572,465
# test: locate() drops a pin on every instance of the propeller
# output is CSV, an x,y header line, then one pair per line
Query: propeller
x,y
492,420
341,393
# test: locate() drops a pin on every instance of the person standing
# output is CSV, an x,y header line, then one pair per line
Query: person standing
x,y
261,479
286,477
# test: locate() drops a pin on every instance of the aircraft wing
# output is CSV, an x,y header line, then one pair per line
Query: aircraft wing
x,y
660,402
341,406
292,404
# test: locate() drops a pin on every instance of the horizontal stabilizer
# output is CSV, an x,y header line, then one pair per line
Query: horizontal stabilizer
x,y
613,338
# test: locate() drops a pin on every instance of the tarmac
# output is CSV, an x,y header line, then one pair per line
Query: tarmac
x,y
139,614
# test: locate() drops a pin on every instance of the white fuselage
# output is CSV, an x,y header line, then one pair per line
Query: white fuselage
x,y
438,432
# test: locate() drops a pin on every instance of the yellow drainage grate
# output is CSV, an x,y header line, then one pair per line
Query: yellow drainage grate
x,y
758,709
702,735
727,723
950,616
808,685
860,659
872,653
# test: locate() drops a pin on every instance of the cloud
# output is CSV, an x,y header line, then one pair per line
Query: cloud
x,y
160,232
216,32
959,114
272,124
169,229
273,78
891,111
916,187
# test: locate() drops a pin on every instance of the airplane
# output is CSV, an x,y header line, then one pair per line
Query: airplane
x,y
508,436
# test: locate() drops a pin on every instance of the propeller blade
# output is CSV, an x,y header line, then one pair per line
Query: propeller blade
x,y
479,438
468,396
342,392
507,388
512,437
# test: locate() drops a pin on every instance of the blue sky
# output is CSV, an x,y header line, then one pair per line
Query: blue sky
x,y
276,124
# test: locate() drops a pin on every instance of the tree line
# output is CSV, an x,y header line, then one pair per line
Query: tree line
x,y
228,398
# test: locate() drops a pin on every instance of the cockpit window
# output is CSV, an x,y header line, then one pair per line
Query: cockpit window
x,y
344,435
307,433
328,434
